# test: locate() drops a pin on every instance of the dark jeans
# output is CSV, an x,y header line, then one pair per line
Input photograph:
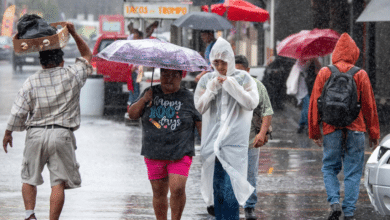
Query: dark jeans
x,y
304,111
225,203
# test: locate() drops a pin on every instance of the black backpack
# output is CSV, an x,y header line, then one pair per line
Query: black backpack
x,y
338,104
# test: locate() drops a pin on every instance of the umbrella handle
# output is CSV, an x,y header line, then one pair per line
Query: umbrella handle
x,y
151,84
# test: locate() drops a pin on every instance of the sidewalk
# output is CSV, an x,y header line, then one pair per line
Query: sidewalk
x,y
115,185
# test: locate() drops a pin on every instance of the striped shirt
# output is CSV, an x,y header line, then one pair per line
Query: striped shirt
x,y
50,96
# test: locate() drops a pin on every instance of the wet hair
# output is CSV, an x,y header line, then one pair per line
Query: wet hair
x,y
241,59
51,57
180,71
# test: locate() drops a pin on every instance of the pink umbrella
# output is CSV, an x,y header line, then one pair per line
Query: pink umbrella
x,y
308,44
239,10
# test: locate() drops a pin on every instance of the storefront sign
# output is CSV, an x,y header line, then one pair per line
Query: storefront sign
x,y
156,10
111,24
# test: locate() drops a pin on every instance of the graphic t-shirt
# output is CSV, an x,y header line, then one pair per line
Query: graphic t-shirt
x,y
168,126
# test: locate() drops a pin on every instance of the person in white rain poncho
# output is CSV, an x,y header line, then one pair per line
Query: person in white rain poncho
x,y
226,99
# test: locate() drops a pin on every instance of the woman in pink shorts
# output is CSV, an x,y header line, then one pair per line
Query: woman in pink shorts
x,y
169,119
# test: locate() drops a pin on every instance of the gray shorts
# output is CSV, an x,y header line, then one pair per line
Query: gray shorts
x,y
56,148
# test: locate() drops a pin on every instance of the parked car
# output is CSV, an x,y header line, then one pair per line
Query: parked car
x,y
20,60
377,177
5,48
115,75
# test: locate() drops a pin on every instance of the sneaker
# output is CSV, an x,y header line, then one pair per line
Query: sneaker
x,y
210,210
32,217
336,212
349,218
250,214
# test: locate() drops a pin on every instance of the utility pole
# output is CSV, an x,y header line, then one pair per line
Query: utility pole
x,y
272,24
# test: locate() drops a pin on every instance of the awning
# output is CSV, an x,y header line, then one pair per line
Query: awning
x,y
375,11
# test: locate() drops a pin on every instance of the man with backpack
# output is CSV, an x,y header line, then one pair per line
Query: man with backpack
x,y
343,99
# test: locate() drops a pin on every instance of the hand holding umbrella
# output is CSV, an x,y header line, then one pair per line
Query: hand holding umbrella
x,y
148,97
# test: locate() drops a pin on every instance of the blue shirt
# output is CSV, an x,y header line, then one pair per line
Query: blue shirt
x,y
207,52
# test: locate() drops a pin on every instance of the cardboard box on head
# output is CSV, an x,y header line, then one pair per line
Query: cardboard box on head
x,y
56,41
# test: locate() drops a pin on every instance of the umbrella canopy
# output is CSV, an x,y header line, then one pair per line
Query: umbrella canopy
x,y
308,44
203,21
154,53
239,10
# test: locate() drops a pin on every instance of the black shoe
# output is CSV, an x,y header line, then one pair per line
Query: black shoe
x,y
210,210
336,212
349,218
301,129
250,214
32,217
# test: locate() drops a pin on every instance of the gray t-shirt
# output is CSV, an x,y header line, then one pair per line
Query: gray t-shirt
x,y
168,126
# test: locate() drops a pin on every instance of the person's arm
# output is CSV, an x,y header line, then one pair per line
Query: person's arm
x,y
205,92
19,113
261,137
369,109
246,95
7,140
131,28
197,78
135,110
266,111
81,44
313,114
198,125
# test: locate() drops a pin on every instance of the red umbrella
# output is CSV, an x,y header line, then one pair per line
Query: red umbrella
x,y
308,44
239,10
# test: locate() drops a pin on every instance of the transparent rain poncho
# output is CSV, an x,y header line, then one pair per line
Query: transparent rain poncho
x,y
227,111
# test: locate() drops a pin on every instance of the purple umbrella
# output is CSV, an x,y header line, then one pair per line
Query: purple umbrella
x,y
155,53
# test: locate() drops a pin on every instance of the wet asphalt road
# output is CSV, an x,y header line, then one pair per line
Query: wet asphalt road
x,y
115,184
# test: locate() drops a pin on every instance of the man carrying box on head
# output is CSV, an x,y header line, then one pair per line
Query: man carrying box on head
x,y
48,107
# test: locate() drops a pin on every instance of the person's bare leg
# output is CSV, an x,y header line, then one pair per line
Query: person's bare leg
x,y
29,193
177,185
160,198
57,199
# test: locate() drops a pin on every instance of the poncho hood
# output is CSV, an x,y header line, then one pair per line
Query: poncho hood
x,y
222,50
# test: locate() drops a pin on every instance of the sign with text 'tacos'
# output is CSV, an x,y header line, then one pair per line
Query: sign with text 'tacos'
x,y
154,10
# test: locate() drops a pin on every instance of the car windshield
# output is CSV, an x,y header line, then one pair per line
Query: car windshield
x,y
105,43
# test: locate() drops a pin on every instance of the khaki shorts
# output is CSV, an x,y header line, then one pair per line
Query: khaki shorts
x,y
56,148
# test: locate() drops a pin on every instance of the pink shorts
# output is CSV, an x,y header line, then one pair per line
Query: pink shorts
x,y
159,169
